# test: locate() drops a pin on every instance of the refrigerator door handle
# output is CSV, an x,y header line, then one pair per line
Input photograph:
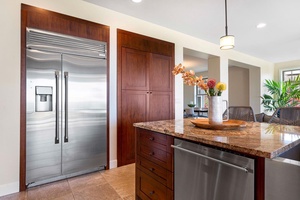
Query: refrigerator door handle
x,y
66,75
57,108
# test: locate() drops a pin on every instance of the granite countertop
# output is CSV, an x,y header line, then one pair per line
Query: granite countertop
x,y
258,139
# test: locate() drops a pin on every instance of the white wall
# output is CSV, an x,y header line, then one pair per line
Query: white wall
x,y
9,96
238,86
188,95
255,89
218,70
10,70
256,77
279,67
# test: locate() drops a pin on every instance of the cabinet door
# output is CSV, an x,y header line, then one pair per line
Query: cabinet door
x,y
135,69
134,109
148,188
160,106
161,77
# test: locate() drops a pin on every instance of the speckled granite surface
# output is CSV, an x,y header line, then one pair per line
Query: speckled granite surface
x,y
259,139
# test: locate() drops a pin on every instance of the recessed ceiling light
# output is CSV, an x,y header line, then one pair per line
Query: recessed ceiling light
x,y
136,1
261,25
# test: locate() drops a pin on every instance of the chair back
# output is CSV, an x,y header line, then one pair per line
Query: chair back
x,y
244,113
287,116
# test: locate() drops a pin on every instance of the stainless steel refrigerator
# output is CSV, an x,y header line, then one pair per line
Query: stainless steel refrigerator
x,y
66,108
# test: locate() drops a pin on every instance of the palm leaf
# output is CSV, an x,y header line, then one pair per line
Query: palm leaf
x,y
281,94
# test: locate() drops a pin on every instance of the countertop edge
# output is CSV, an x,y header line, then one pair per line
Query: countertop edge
x,y
249,151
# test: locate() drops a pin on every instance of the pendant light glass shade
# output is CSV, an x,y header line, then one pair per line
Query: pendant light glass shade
x,y
227,42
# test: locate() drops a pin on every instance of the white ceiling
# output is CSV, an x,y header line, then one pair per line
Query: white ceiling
x,y
279,41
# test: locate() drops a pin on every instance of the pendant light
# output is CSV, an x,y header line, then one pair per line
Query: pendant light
x,y
226,41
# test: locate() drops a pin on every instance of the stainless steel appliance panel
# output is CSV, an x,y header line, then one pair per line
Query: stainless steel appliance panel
x,y
43,146
203,173
84,113
66,106
282,176
56,42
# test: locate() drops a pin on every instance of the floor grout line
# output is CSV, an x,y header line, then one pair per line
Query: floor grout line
x,y
116,175
71,189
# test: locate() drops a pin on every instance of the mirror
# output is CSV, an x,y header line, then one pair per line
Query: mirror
x,y
243,82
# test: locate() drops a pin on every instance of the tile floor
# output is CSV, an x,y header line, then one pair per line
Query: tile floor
x,y
114,184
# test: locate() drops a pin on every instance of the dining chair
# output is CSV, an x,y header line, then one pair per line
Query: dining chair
x,y
244,113
287,116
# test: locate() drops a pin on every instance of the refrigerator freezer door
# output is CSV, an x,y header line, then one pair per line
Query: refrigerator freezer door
x,y
84,113
43,145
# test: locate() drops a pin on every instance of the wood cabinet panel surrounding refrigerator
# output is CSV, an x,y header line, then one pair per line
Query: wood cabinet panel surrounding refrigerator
x,y
145,88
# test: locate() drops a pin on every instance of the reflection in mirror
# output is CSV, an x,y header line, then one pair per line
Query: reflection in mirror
x,y
243,82
198,62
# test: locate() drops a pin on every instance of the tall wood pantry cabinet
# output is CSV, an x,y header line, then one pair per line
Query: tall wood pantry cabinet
x,y
145,92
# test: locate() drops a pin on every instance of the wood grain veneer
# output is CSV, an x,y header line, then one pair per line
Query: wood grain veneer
x,y
145,86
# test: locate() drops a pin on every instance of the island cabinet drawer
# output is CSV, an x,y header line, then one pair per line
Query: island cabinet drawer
x,y
158,156
159,173
154,139
149,188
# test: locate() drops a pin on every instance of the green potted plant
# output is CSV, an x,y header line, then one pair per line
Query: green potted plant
x,y
281,94
191,105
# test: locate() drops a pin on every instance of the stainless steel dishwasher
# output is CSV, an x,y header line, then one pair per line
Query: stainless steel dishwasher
x,y
282,176
204,173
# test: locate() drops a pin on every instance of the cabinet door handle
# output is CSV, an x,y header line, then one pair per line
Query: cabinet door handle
x,y
151,138
151,154
152,192
151,169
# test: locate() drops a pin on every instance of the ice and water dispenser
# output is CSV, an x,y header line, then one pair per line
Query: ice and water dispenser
x,y
43,98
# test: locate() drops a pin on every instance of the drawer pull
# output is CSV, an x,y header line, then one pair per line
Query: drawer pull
x,y
152,192
151,169
151,138
151,154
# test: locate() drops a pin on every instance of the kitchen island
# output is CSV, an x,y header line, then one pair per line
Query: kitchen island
x,y
258,141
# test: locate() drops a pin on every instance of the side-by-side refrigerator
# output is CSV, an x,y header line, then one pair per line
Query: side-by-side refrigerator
x,y
66,106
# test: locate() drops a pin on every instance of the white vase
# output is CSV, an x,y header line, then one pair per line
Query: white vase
x,y
215,110
189,111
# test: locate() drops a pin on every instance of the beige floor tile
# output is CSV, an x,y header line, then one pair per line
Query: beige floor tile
x,y
114,184
122,179
100,192
124,172
65,197
123,188
93,179
131,197
16,196
49,191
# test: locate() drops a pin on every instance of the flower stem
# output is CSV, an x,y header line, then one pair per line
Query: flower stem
x,y
211,92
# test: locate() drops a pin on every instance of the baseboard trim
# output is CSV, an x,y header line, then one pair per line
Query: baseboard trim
x,y
113,164
9,188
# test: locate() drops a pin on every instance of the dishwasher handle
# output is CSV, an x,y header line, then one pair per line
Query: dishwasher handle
x,y
210,158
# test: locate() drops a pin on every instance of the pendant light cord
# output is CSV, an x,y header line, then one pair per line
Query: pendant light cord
x,y
226,28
